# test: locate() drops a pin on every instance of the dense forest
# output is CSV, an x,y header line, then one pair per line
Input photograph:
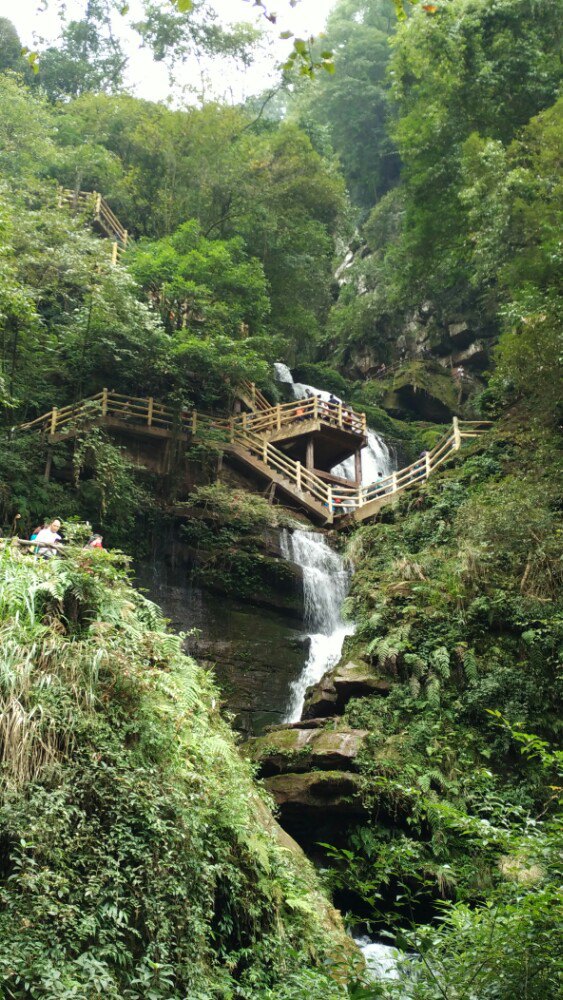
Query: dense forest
x,y
386,222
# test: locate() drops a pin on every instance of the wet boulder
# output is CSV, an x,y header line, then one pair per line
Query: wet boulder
x,y
301,750
317,793
347,680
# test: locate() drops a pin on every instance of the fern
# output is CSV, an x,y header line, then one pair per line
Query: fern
x,y
433,691
440,661
470,665
416,663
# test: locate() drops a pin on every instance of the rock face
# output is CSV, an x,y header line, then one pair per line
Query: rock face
x,y
316,793
254,652
425,389
338,686
301,750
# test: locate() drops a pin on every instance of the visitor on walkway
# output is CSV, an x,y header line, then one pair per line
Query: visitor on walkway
x,y
49,537
94,542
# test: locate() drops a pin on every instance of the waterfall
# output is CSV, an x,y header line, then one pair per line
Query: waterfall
x,y
283,373
325,585
381,959
377,460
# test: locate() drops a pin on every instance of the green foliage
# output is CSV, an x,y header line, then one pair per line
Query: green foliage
x,y
213,300
471,229
225,530
353,103
87,57
456,596
134,863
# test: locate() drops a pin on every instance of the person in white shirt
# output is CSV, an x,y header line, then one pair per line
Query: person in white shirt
x,y
48,536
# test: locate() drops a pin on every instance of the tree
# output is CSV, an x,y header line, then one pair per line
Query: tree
x,y
353,103
11,48
88,57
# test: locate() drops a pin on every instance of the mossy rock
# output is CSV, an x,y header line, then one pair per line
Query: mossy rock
x,y
318,792
423,389
301,750
353,679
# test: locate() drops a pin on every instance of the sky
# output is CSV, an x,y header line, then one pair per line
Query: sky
x,y
220,79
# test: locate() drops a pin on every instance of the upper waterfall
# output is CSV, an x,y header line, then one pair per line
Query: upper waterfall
x,y
378,461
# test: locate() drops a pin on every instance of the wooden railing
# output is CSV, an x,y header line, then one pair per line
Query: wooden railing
x,y
254,395
241,433
94,204
275,418
352,499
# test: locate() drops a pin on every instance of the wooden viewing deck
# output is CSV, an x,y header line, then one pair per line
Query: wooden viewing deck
x,y
246,440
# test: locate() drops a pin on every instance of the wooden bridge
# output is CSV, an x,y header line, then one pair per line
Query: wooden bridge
x,y
247,440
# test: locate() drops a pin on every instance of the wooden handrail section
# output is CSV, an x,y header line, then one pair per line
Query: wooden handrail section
x,y
248,435
94,204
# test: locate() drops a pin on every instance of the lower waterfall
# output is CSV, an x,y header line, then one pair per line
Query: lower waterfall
x,y
325,585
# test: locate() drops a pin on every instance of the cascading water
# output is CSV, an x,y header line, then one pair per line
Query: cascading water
x,y
377,462
325,585
381,959
377,459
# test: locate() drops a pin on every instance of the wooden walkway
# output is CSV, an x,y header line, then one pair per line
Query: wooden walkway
x,y
247,440
94,205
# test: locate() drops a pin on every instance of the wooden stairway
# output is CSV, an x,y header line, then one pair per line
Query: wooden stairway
x,y
92,203
246,440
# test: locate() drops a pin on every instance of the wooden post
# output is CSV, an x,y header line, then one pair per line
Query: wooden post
x,y
394,482
104,402
278,417
457,435
265,452
149,411
315,407
358,465
48,463
329,498
232,430
340,414
194,421
98,205
244,416
253,394
125,238
298,475
427,462
364,423
310,453
114,248
60,196
53,426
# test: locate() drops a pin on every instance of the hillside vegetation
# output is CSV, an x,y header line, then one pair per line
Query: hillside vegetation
x,y
137,859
